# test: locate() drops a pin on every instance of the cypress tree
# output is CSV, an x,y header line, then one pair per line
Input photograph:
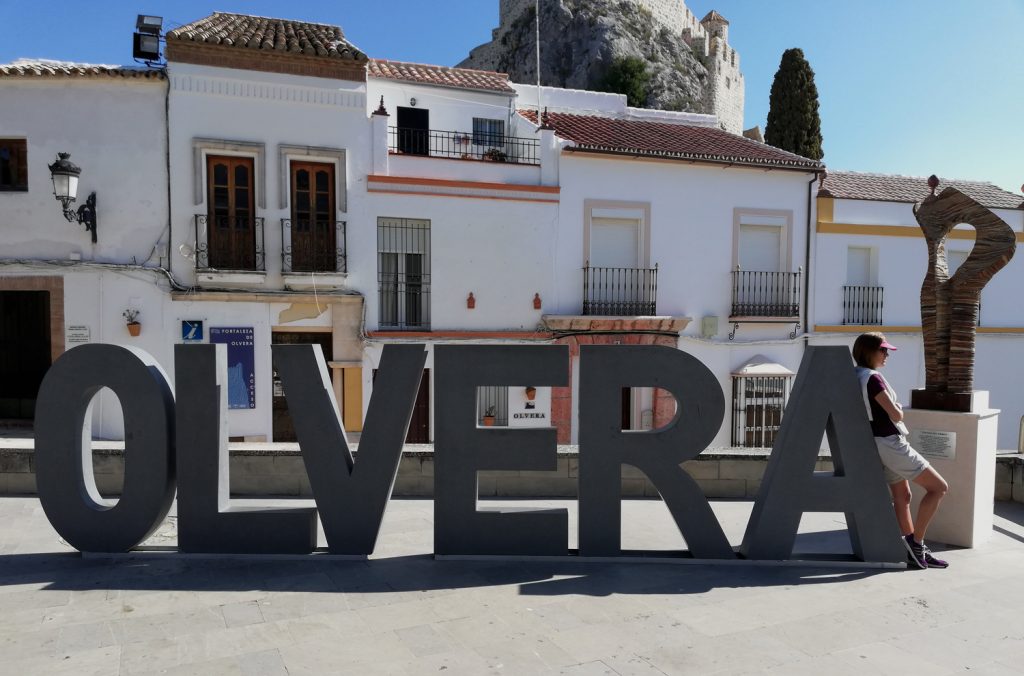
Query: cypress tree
x,y
793,121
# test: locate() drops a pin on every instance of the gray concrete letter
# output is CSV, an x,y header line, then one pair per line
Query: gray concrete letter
x,y
604,371
461,449
206,522
63,457
826,397
350,496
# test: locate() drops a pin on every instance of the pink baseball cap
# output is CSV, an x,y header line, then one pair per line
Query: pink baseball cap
x,y
888,346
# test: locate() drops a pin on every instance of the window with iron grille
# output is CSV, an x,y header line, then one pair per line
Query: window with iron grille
x,y
13,165
403,273
488,132
757,406
492,401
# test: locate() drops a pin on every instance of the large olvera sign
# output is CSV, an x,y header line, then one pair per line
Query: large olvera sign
x,y
179,442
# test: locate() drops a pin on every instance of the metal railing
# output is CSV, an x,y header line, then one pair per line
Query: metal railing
x,y
460,145
862,305
313,246
620,291
765,294
229,243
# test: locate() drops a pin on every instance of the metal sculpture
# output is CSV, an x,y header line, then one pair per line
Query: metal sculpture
x,y
950,305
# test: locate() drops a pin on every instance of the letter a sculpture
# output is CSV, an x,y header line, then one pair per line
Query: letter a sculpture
x,y
950,305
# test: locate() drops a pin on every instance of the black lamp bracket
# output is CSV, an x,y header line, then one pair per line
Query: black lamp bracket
x,y
85,214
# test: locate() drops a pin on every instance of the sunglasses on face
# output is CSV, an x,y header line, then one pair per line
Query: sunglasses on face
x,y
884,350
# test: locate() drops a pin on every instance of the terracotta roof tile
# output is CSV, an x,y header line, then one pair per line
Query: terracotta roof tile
x,y
854,185
440,76
662,139
276,35
48,68
714,16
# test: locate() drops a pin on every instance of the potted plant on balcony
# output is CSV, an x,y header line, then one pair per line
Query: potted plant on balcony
x,y
489,417
131,317
495,155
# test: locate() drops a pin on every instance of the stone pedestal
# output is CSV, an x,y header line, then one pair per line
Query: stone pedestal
x,y
962,448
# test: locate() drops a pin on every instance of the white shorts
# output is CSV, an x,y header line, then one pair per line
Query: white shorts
x,y
899,459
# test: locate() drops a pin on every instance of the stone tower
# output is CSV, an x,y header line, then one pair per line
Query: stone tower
x,y
709,38
725,92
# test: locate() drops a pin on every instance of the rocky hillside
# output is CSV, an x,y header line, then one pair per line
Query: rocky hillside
x,y
582,40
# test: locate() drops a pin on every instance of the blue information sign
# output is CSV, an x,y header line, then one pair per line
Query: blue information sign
x,y
191,330
241,364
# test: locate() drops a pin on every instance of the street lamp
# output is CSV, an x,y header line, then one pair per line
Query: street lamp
x,y
65,188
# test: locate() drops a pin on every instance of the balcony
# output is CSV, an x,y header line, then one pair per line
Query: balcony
x,y
628,292
230,250
765,296
457,145
862,305
313,254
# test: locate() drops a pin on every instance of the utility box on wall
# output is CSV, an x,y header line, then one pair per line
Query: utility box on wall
x,y
709,327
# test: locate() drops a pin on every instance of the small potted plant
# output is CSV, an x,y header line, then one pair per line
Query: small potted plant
x,y
489,417
131,317
495,155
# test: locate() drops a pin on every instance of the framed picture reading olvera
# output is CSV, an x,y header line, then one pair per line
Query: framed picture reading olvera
x,y
241,364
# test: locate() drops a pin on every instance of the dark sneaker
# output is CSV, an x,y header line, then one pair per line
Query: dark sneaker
x,y
915,552
931,560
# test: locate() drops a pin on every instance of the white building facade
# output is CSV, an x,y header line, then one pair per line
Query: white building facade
x,y
59,287
870,260
297,194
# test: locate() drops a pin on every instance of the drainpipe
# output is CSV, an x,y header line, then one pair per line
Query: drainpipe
x,y
167,164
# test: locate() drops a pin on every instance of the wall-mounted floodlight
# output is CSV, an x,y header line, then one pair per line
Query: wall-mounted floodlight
x,y
146,41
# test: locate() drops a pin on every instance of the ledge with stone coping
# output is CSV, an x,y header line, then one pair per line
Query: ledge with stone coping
x,y
276,469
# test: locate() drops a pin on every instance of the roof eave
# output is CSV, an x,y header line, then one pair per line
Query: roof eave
x,y
726,162
481,90
1019,207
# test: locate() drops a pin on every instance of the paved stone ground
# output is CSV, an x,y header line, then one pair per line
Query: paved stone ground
x,y
404,613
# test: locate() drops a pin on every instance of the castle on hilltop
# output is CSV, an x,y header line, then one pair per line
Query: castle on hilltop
x,y
709,37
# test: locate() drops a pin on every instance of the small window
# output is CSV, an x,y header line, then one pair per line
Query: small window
x,y
13,165
757,406
403,273
488,132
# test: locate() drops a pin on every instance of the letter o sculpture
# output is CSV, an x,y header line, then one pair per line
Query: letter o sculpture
x,y
64,475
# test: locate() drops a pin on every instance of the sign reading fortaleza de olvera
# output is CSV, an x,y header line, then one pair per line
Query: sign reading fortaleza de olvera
x,y
177,442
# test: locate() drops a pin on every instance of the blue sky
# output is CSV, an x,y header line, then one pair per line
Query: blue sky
x,y
909,86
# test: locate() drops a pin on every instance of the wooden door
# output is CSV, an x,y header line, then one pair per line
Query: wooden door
x,y
419,426
313,231
283,429
231,213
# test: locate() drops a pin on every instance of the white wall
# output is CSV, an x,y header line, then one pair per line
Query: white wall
x,y
901,266
692,212
502,251
268,108
114,129
450,109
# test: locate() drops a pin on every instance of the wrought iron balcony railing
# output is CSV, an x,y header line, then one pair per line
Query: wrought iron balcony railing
x,y
229,243
463,146
862,305
620,291
313,246
766,294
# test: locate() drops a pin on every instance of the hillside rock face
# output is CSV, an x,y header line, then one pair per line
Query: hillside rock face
x,y
580,39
